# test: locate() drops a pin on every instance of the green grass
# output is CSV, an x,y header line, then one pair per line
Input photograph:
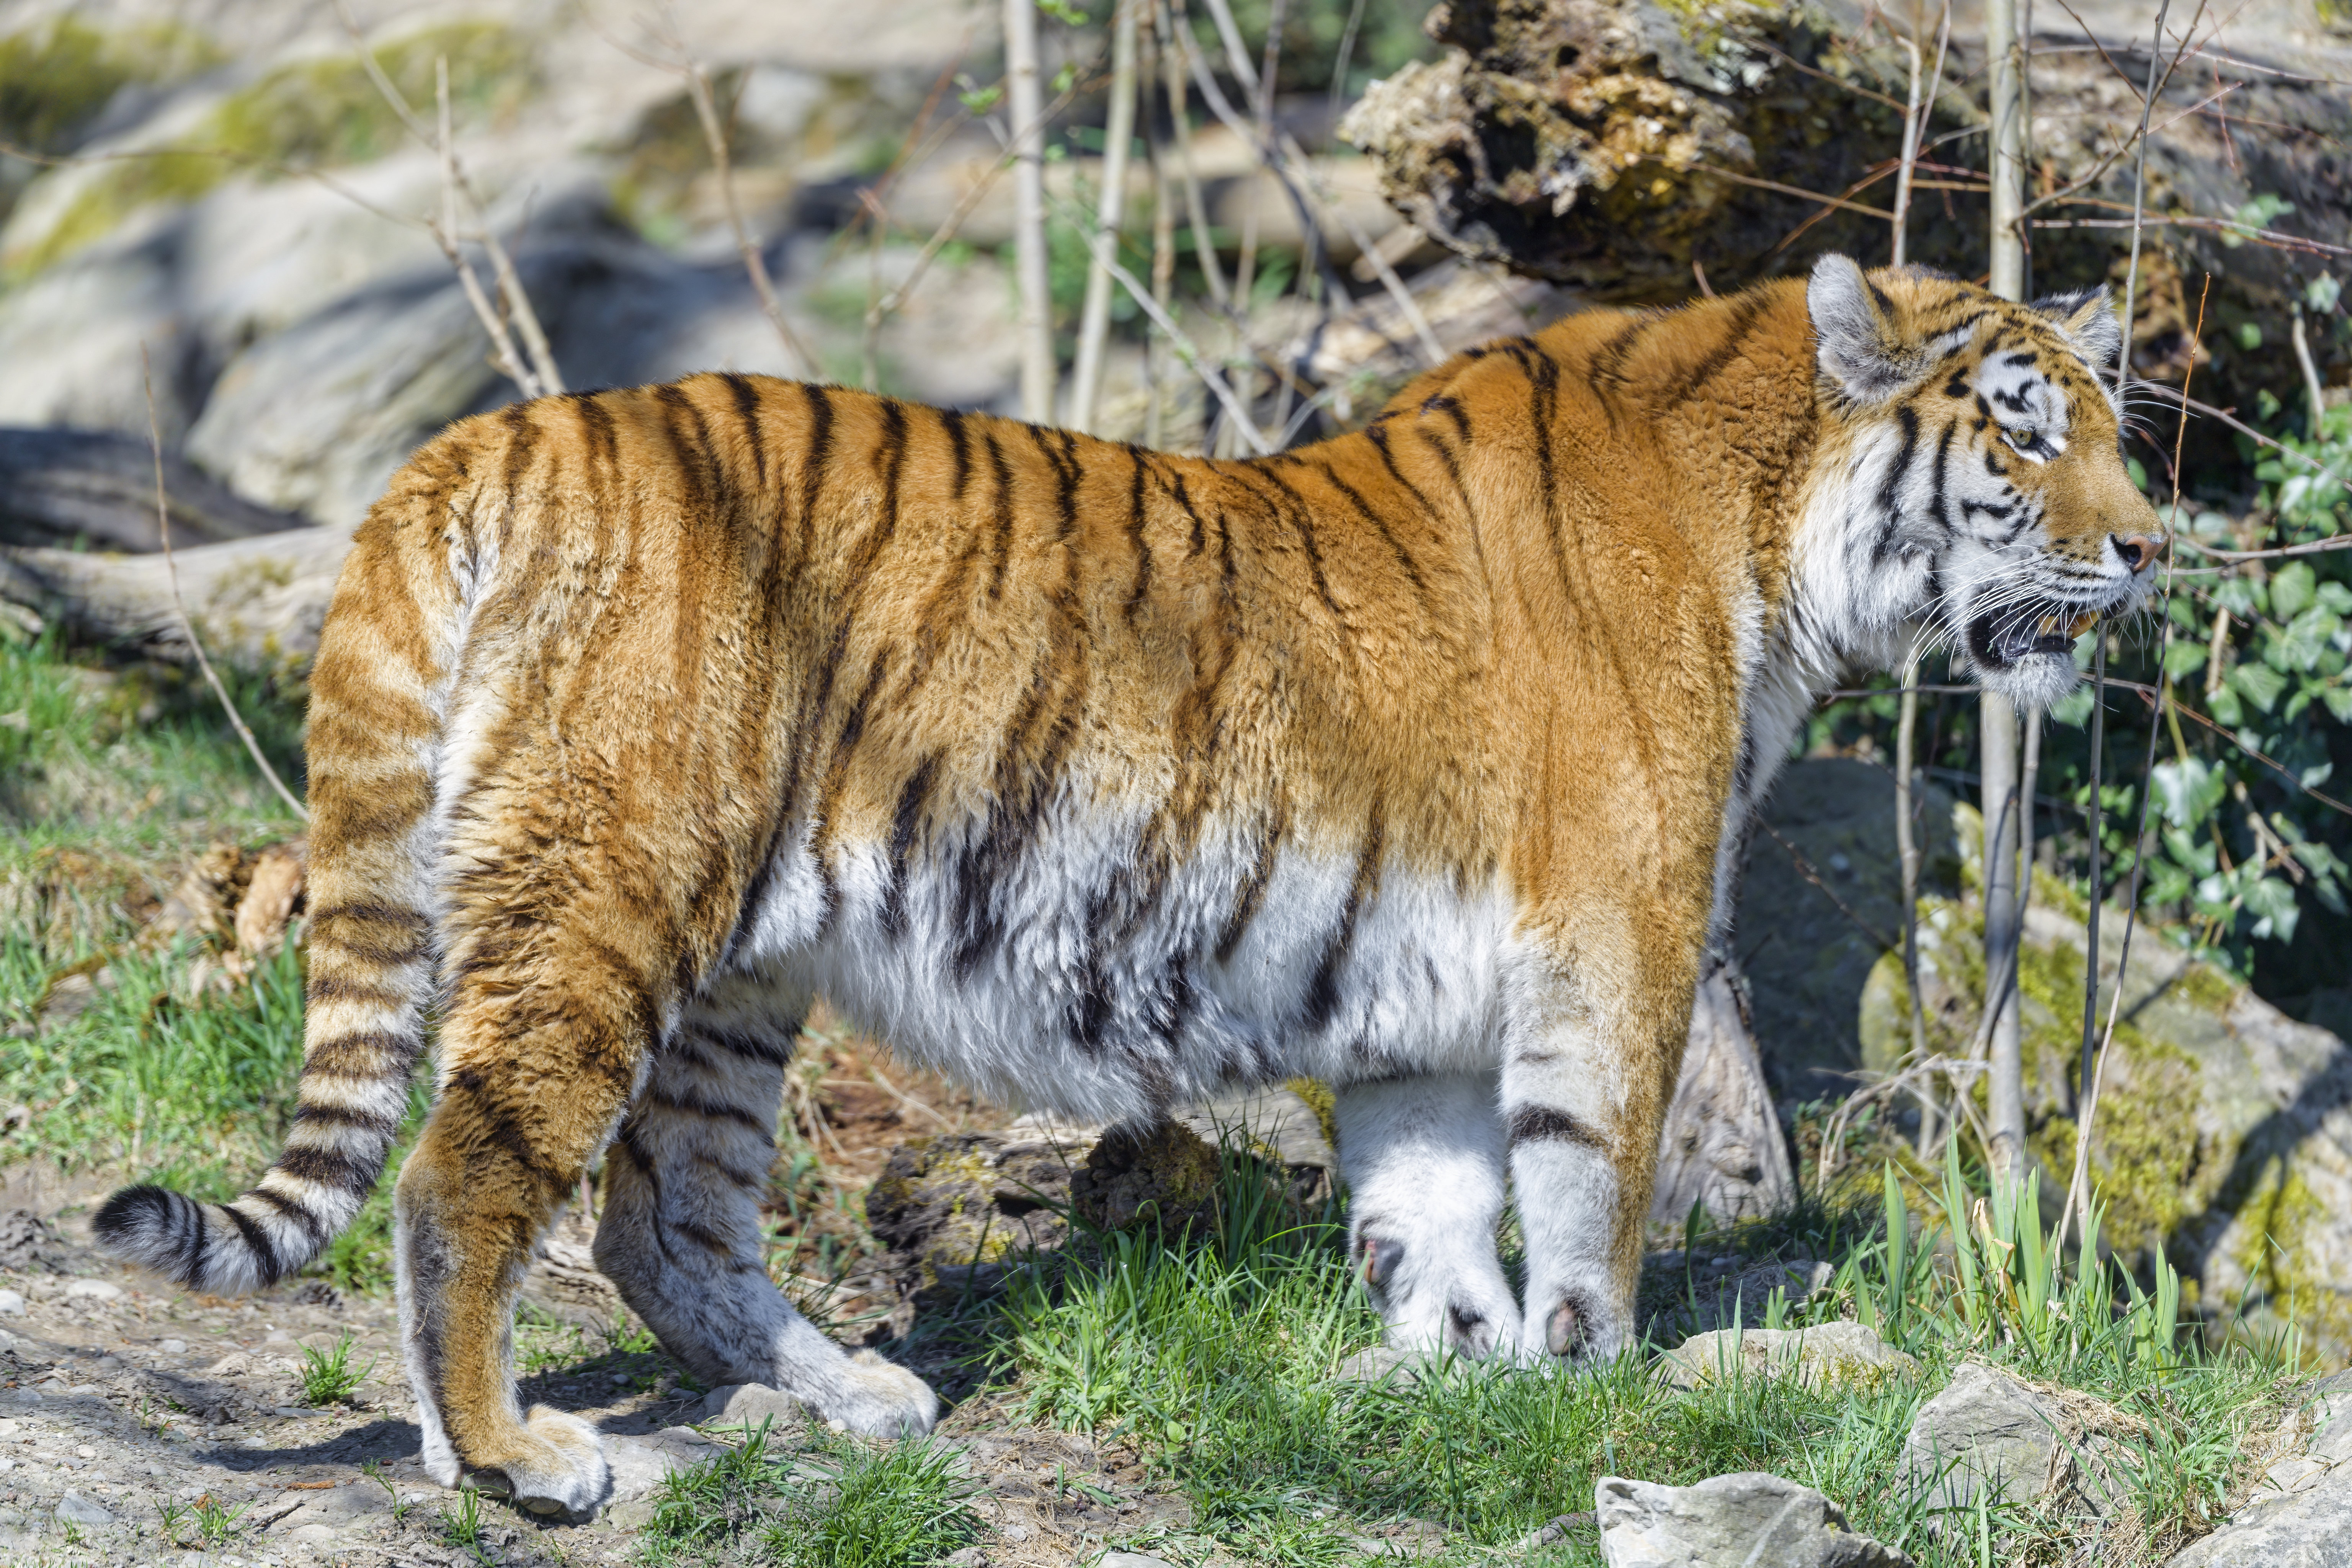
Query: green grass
x,y
102,764
832,1502
1218,1357
111,781
328,1376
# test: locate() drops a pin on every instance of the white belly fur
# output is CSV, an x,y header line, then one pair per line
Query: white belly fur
x,y
1415,990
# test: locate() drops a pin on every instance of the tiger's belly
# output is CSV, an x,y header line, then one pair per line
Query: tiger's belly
x,y
1078,971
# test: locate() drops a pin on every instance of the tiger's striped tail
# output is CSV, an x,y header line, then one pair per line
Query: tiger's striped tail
x,y
377,690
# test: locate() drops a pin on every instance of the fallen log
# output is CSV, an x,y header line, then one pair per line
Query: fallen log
x,y
256,603
96,488
1643,153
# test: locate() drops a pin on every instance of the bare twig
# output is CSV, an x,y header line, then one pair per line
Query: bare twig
x,y
537,375
755,259
2140,197
1029,256
1094,319
1914,119
1185,348
2310,376
1838,203
2078,1190
188,626
1175,52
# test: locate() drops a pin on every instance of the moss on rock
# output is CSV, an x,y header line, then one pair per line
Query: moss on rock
x,y
319,112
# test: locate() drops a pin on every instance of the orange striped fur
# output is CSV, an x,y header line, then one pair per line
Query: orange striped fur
x,y
1101,778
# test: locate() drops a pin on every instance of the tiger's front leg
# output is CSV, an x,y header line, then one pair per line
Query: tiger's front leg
x,y
1584,1095
1423,1162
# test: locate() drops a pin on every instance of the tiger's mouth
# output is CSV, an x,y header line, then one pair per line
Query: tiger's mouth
x,y
2001,638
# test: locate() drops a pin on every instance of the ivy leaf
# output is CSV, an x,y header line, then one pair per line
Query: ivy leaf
x,y
2338,698
2181,657
2192,854
2259,684
2336,597
2271,903
2222,704
2189,790
2073,709
2292,587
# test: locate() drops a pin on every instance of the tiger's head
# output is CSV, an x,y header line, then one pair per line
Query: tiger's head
x,y
1978,477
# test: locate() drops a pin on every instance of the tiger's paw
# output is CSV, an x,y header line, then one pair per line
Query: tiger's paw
x,y
1440,1306
556,1466
878,1398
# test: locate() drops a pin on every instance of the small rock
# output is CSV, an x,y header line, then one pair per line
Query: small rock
x,y
2025,1442
748,1405
1750,1517
1557,1529
1131,1559
173,1347
1380,1363
80,1510
640,1464
12,1304
1829,1356
94,1290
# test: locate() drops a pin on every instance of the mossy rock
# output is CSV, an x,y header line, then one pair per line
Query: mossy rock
x,y
2224,1127
322,112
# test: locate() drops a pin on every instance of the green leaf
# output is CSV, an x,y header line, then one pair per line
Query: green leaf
x,y
2260,684
2183,656
2336,597
2189,790
2293,587
2222,704
2192,854
2073,710
2271,903
2338,698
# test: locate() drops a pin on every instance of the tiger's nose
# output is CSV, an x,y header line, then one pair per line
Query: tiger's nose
x,y
2137,550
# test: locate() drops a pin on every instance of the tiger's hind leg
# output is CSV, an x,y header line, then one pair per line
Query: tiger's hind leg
x,y
539,1054
1423,1162
680,1235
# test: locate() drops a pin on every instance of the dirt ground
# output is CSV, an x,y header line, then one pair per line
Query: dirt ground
x,y
124,1398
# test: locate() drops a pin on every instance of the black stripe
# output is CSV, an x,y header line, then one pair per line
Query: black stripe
x,y
691,1104
1004,519
1742,326
1134,537
1380,438
1323,990
904,822
330,1168
748,1048
313,1114
265,1251
747,408
960,446
312,1226
1536,1124
1441,404
1404,559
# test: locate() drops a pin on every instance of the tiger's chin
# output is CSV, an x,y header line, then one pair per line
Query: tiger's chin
x,y
2027,653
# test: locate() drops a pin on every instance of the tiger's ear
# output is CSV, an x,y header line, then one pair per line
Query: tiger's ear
x,y
2087,317
1858,344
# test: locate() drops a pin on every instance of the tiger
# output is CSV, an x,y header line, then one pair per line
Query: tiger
x,y
1416,760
